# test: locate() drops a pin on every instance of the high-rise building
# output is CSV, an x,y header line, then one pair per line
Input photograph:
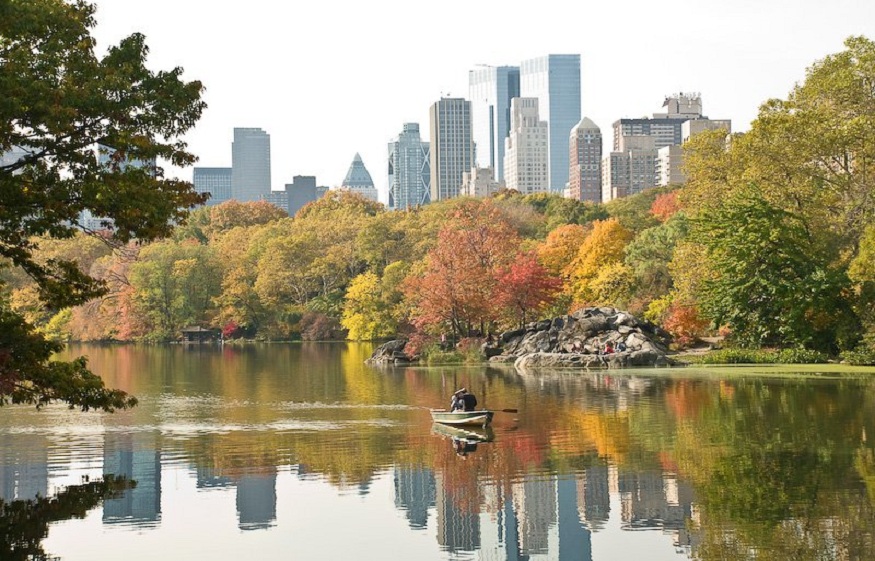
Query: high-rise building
x,y
555,81
490,89
452,148
300,191
358,180
647,151
585,160
479,182
409,173
215,181
526,160
250,164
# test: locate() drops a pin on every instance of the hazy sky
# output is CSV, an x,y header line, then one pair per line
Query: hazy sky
x,y
329,78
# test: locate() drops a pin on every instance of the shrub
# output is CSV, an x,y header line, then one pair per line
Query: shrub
x,y
861,356
764,356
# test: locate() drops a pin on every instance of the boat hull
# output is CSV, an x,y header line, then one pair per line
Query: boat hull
x,y
480,418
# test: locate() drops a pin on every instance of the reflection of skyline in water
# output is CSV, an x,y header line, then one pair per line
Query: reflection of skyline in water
x,y
543,516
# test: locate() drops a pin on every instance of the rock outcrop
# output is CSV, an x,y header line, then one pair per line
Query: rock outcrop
x,y
577,340
391,353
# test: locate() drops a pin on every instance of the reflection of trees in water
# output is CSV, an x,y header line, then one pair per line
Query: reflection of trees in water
x,y
25,523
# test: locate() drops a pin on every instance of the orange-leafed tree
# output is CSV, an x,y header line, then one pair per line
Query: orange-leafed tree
x,y
560,249
526,288
665,206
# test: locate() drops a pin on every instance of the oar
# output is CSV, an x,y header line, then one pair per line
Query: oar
x,y
508,410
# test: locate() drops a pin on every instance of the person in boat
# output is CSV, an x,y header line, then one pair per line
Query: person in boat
x,y
463,401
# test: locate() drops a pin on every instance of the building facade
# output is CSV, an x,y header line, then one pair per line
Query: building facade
x,y
451,146
651,147
555,81
490,89
526,155
409,170
250,164
215,181
358,179
585,162
479,182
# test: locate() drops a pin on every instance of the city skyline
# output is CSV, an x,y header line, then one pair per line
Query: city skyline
x,y
322,109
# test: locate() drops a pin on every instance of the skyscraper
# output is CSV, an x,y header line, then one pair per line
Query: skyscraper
x,y
555,81
491,88
452,148
358,180
409,173
250,164
526,159
215,181
585,158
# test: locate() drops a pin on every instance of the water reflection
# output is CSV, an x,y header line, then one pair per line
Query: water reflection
x,y
297,445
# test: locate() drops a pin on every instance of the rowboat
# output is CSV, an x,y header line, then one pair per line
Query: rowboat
x,y
479,418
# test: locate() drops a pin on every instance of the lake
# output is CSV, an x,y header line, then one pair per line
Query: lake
x,y
301,451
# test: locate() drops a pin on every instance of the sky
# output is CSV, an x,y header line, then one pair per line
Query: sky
x,y
329,78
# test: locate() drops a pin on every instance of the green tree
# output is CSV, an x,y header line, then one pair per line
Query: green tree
x,y
174,285
59,101
775,284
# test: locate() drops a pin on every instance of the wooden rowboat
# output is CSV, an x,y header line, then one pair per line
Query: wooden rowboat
x,y
479,418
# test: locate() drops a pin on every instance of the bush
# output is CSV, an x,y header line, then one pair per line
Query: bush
x,y
860,357
800,356
762,356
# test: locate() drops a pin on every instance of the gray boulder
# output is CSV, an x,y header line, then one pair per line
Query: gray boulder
x,y
391,353
578,339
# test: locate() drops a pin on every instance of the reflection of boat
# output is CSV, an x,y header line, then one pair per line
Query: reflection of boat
x,y
469,434
462,418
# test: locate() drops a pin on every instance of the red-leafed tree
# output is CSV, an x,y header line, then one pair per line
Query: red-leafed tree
x,y
526,288
665,206
456,287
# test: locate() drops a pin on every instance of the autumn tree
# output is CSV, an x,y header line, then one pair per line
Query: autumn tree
x,y
456,288
59,101
525,288
603,247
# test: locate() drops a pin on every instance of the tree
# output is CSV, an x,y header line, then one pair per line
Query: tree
x,y
59,102
525,287
775,283
366,314
456,288
602,247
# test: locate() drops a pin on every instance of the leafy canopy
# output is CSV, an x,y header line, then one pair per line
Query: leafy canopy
x,y
59,102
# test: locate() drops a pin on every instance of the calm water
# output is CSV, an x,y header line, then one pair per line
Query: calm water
x,y
303,452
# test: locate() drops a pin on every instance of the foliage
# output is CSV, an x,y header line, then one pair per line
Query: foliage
x,y
759,356
648,256
317,326
684,323
367,312
59,101
173,286
456,290
27,375
633,212
767,258
665,206
560,248
525,288
602,247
